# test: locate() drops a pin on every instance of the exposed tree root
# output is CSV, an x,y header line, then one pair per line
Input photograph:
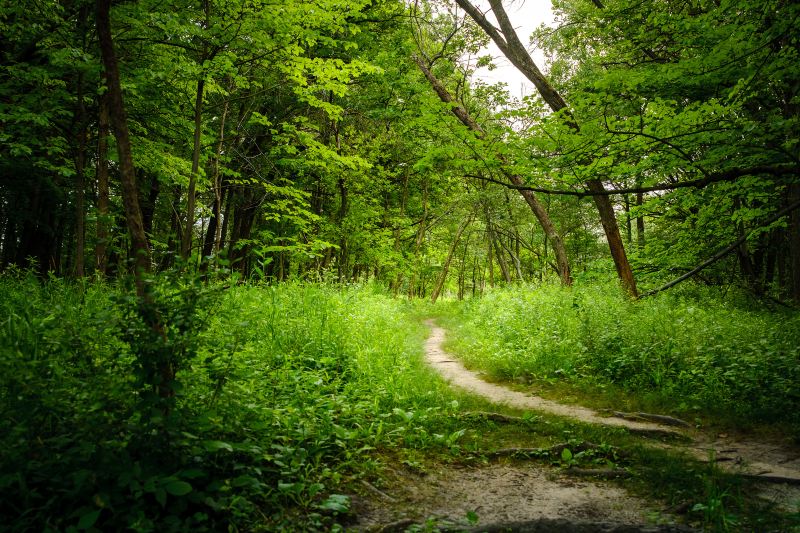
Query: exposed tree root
x,y
494,417
398,526
657,433
555,450
377,491
772,478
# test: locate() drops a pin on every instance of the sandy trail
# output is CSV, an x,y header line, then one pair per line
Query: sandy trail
x,y
539,498
773,461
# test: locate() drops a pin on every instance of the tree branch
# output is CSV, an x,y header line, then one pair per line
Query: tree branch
x,y
725,251
729,175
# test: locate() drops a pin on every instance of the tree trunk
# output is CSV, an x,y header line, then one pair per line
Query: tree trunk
x,y
628,226
462,271
130,193
533,202
218,192
420,238
639,221
443,276
489,253
794,242
501,257
609,221
149,206
119,123
507,40
101,255
227,194
80,183
186,242
211,232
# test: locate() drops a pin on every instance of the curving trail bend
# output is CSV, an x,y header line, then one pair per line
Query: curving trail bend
x,y
774,462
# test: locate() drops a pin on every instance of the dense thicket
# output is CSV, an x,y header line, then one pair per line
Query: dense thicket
x,y
284,394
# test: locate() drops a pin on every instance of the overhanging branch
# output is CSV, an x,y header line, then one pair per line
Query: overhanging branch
x,y
729,175
725,251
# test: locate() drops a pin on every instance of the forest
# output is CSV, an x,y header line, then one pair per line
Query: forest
x,y
230,230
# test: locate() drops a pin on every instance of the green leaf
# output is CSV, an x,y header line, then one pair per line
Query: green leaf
x,y
89,519
338,503
178,488
472,517
566,455
216,445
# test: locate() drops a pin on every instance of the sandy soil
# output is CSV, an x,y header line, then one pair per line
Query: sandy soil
x,y
499,494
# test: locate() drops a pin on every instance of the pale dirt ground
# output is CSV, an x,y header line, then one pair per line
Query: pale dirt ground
x,y
501,493
513,492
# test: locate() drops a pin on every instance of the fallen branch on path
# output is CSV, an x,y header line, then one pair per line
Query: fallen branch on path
x,y
648,417
771,478
601,473
377,491
495,417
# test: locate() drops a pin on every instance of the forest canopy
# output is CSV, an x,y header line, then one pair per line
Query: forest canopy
x,y
347,140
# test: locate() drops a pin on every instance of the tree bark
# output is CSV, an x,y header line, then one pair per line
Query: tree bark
x,y
501,258
628,225
794,242
101,255
218,193
443,276
119,124
609,221
639,222
186,242
420,238
80,183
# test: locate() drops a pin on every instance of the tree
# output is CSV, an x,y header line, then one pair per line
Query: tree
x,y
538,210
507,40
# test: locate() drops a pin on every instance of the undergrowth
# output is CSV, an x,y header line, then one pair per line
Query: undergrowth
x,y
692,351
286,396
283,394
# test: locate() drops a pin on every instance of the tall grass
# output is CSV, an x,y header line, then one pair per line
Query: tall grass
x,y
691,350
282,396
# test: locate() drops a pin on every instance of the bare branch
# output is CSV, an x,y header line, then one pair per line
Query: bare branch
x,y
729,175
725,251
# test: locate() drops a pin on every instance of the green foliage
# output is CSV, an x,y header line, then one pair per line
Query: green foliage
x,y
282,395
691,350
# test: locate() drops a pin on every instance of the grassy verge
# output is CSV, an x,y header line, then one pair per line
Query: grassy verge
x,y
286,397
694,354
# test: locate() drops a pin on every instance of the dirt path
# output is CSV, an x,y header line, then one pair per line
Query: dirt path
x,y
771,461
503,497
531,497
